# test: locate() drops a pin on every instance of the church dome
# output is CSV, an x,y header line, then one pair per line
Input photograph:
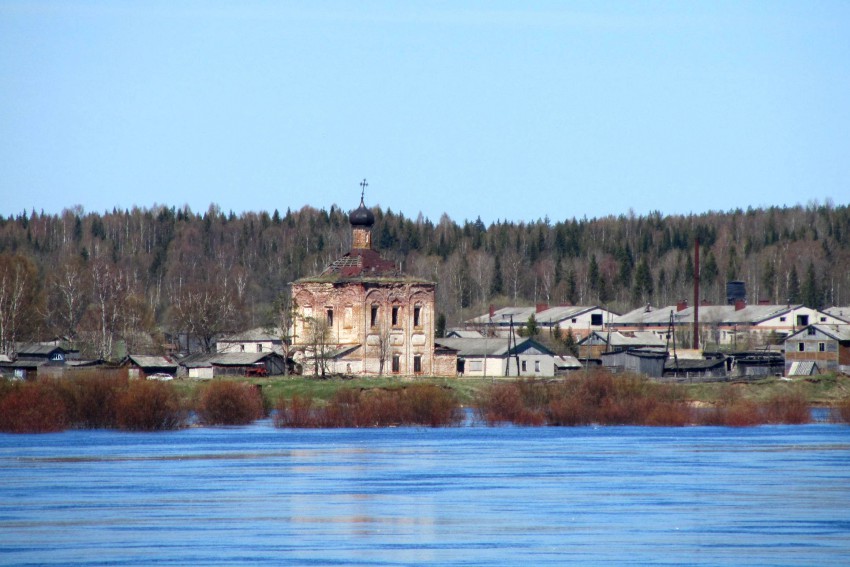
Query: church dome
x,y
361,216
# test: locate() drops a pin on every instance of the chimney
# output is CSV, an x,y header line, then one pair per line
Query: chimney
x,y
740,304
492,311
542,307
682,305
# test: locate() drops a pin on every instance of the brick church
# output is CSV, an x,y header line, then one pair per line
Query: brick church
x,y
363,316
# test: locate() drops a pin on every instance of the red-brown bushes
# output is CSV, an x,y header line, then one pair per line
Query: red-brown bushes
x,y
790,408
297,412
229,403
92,399
150,406
418,404
598,398
841,411
34,407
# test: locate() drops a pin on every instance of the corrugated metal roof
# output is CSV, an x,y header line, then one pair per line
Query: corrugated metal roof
x,y
708,314
548,316
842,313
488,346
565,361
240,358
145,361
259,334
803,368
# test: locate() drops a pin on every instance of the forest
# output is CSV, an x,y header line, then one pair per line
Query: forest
x,y
132,280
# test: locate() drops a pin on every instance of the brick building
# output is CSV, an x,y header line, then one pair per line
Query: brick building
x,y
362,315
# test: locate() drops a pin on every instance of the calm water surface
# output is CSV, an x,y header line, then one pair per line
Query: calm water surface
x,y
461,496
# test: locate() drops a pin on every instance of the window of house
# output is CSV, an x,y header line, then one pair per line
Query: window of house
x,y
821,347
524,367
476,365
574,320
396,364
811,331
595,319
801,347
417,364
782,319
330,314
802,320
373,320
260,347
823,319
395,316
241,348
537,366
417,316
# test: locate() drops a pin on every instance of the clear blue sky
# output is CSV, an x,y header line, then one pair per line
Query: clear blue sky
x,y
503,110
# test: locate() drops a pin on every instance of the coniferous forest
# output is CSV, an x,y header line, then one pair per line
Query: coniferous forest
x,y
131,280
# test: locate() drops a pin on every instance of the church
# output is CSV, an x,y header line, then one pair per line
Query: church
x,y
363,316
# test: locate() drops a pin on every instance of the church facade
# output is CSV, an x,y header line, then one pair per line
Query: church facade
x,y
363,316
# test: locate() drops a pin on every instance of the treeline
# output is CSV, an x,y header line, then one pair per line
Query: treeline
x,y
136,278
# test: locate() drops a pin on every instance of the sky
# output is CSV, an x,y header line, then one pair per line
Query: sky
x,y
501,110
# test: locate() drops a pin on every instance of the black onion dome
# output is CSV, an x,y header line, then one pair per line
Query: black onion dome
x,y
361,216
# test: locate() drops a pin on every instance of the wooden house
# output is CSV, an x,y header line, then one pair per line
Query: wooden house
x,y
818,348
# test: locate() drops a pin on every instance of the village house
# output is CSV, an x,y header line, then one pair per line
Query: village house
x,y
255,340
362,315
817,349
142,366
495,357
739,326
597,342
581,321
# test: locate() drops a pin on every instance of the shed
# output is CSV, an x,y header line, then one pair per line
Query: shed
x,y
690,368
647,362
142,366
493,357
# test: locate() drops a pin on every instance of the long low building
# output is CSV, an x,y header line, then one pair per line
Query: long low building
x,y
492,357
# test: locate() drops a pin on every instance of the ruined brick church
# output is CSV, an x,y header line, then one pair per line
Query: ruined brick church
x,y
363,316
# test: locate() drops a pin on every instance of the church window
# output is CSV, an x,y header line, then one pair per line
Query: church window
x,y
373,321
395,316
330,314
417,364
396,364
417,316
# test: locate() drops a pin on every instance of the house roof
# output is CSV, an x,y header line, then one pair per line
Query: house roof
x,y
489,346
626,339
694,364
258,334
842,313
566,362
145,361
37,349
206,360
840,333
803,368
549,316
708,314
462,334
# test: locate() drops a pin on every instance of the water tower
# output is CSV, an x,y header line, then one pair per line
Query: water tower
x,y
735,291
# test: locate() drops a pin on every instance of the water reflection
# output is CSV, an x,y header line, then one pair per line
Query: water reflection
x,y
461,496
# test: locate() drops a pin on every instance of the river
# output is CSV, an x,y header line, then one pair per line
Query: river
x,y
256,495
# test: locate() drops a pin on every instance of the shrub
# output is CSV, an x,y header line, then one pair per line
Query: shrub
x,y
790,408
841,411
92,399
229,403
418,404
33,407
150,406
297,412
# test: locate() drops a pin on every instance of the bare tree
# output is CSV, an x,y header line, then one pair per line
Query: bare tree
x,y
18,296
